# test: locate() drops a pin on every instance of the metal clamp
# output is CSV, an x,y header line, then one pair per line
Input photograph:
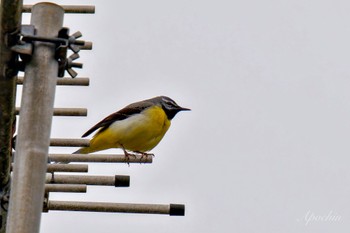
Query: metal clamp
x,y
63,42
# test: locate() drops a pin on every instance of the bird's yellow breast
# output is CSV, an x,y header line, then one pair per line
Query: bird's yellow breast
x,y
140,132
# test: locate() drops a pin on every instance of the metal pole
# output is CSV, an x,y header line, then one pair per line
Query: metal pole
x,y
66,188
67,168
65,81
100,158
65,111
10,22
69,142
116,181
80,9
27,188
172,209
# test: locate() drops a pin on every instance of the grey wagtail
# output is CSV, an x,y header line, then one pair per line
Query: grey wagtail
x,y
138,127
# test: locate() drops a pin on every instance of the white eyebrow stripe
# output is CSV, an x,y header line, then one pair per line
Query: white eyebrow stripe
x,y
169,101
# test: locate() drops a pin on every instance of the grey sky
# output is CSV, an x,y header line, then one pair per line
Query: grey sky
x,y
266,145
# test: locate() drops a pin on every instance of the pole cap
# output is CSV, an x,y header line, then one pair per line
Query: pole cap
x,y
177,210
122,181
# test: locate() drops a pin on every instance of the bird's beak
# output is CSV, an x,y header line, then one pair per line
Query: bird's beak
x,y
184,109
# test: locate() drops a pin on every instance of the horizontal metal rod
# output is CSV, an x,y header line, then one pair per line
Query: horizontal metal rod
x,y
64,142
116,181
66,188
83,9
65,111
172,209
65,81
67,168
100,158
70,112
87,46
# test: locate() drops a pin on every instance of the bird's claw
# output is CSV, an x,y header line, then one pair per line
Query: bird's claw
x,y
127,156
144,154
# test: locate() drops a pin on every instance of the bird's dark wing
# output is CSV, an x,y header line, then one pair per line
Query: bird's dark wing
x,y
122,114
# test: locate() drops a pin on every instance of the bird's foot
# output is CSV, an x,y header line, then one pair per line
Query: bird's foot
x,y
144,154
127,156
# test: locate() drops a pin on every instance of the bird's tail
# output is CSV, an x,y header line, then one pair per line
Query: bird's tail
x,y
83,150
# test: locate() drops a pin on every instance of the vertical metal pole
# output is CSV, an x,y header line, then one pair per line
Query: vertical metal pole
x,y
10,21
10,24
27,187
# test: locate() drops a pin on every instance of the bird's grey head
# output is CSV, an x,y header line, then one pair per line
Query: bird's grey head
x,y
170,107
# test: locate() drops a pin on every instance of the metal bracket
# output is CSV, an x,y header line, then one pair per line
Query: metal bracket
x,y
63,42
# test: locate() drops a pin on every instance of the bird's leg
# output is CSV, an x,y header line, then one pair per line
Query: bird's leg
x,y
127,155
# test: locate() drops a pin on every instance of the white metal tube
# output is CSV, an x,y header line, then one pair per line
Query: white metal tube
x,y
64,142
100,158
66,188
172,209
65,81
116,181
85,9
27,187
67,168
64,111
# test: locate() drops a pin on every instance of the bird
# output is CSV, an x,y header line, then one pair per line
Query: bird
x,y
136,128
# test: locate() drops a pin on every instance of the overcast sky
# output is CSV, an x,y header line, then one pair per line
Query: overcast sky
x,y
266,145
